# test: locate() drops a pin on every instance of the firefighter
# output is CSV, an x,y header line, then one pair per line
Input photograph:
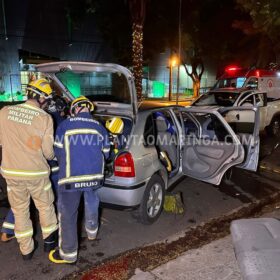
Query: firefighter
x,y
26,136
56,108
81,146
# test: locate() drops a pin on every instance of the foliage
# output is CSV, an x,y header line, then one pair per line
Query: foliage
x,y
265,15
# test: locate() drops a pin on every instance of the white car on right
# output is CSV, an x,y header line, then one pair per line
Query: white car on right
x,y
269,107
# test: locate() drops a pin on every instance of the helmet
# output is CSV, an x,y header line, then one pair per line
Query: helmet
x,y
39,88
81,102
115,125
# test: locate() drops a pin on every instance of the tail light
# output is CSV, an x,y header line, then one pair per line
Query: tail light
x,y
124,166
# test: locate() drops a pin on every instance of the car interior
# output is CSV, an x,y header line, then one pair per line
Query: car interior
x,y
160,131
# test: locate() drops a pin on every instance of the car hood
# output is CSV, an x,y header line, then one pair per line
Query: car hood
x,y
106,106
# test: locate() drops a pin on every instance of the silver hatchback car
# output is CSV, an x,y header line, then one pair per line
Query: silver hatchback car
x,y
159,144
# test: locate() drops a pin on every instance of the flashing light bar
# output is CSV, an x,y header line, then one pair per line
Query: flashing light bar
x,y
232,68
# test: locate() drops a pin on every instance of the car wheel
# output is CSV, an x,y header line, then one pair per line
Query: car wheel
x,y
274,128
152,202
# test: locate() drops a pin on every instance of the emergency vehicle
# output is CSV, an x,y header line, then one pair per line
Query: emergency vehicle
x,y
242,87
259,79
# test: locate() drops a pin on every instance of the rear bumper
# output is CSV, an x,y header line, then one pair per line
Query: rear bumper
x,y
125,196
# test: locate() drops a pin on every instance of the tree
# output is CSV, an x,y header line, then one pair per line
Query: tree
x,y
265,15
192,56
263,26
137,13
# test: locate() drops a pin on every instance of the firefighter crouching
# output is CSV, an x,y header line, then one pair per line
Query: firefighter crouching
x,y
81,146
26,136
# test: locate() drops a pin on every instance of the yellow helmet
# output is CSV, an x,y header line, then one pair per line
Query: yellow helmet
x,y
115,125
82,102
39,88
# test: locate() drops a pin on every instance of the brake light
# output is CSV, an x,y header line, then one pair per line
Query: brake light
x,y
124,166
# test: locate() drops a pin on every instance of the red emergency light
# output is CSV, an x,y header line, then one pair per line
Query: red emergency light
x,y
232,68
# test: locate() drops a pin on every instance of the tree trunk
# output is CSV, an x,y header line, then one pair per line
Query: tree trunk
x,y
196,87
137,57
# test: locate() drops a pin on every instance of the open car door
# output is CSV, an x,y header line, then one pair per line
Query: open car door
x,y
210,146
245,122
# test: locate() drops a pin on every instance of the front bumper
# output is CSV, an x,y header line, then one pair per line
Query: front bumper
x,y
125,196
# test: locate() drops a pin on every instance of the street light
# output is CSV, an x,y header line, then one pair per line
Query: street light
x,y
172,63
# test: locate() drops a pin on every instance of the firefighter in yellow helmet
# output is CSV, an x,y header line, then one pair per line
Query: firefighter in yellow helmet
x,y
81,147
26,137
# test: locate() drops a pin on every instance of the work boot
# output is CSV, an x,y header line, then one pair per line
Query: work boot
x,y
29,256
5,237
50,243
55,257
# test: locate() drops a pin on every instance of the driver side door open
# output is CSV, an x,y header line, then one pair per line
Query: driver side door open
x,y
210,145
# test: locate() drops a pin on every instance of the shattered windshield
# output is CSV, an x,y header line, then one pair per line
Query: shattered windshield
x,y
217,99
97,86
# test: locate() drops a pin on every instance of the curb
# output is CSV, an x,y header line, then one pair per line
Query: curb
x,y
147,258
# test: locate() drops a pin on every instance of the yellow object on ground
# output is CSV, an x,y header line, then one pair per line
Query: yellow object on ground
x,y
173,203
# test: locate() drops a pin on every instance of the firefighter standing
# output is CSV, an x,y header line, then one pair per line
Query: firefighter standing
x,y
56,108
81,146
26,136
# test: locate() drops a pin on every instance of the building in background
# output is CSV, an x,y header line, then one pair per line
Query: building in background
x,y
33,32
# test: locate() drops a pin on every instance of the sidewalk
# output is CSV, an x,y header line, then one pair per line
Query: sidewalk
x,y
214,261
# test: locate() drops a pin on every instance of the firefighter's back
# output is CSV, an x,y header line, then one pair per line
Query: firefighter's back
x,y
23,128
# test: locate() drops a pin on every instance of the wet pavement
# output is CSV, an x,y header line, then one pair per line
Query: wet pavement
x,y
244,195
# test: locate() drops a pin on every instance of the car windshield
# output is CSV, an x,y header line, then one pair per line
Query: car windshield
x,y
234,82
217,99
97,86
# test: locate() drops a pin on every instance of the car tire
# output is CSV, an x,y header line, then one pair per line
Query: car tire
x,y
152,202
273,129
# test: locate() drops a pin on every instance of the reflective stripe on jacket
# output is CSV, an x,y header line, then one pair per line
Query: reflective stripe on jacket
x,y
81,146
26,136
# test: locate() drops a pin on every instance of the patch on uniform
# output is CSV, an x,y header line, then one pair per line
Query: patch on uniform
x,y
90,184
34,142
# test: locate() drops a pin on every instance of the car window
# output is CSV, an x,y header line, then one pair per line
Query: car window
x,y
149,132
97,86
211,127
259,99
219,98
252,83
248,101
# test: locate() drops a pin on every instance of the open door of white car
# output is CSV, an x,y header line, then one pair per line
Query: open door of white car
x,y
245,122
210,146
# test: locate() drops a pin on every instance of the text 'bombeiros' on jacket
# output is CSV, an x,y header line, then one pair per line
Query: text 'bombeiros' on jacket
x,y
81,145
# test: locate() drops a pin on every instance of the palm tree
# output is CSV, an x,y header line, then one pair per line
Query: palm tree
x,y
137,12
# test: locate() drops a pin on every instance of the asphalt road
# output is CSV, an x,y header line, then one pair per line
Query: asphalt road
x,y
119,231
